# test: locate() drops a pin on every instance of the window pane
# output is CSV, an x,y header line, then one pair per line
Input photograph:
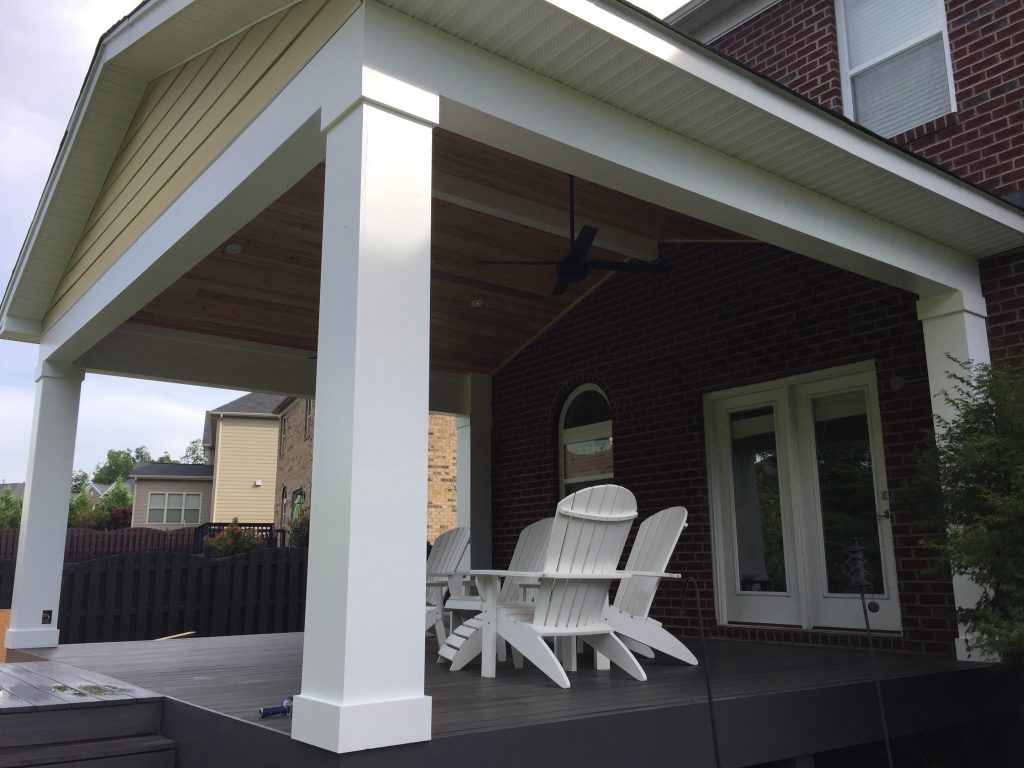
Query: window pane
x,y
192,500
155,515
847,486
173,515
588,458
755,472
157,500
878,27
192,515
905,91
174,499
588,407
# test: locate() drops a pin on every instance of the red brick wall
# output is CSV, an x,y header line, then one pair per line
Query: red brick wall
x,y
1002,281
794,43
726,316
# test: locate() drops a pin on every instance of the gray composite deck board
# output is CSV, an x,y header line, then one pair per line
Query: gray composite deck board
x,y
237,675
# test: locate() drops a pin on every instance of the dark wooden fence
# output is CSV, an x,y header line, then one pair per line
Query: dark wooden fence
x,y
146,595
149,595
86,544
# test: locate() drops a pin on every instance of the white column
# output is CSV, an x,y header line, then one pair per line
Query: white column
x,y
954,326
473,469
363,653
44,518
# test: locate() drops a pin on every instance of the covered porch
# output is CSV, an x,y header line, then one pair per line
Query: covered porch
x,y
326,241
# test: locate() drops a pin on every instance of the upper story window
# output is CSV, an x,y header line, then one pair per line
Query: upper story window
x,y
585,440
307,429
895,63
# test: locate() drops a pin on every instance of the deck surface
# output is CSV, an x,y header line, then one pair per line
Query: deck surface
x,y
237,675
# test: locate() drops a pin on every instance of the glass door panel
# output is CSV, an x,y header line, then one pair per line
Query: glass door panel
x,y
760,557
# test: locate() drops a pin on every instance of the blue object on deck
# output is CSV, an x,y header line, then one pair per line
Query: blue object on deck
x,y
284,709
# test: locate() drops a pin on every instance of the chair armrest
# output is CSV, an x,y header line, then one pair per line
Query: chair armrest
x,y
656,574
536,575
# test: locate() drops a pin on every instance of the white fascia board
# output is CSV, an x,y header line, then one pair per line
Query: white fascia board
x,y
708,20
499,103
658,40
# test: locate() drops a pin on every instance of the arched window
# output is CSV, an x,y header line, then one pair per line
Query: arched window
x,y
585,440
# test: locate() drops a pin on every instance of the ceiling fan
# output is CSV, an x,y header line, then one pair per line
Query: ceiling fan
x,y
575,267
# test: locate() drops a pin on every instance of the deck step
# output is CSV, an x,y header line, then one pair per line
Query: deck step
x,y
152,751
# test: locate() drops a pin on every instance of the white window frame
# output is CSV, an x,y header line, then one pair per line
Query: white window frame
x,y
597,431
165,494
806,603
847,73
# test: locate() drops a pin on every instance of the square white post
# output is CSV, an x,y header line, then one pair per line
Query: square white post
x,y
44,518
473,469
954,326
363,654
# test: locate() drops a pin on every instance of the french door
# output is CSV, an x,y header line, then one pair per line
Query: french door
x,y
797,472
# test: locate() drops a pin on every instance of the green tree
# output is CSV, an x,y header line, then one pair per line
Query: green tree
x,y
116,497
10,510
166,459
978,465
194,453
94,517
79,479
81,504
120,463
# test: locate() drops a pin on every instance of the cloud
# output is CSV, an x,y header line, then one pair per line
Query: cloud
x,y
15,429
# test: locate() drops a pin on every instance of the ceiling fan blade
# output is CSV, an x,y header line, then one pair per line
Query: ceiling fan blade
x,y
581,245
561,284
629,266
524,263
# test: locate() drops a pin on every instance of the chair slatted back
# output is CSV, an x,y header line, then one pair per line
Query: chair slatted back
x,y
587,536
529,555
444,558
655,542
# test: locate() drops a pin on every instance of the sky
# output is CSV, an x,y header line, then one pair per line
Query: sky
x,y
45,51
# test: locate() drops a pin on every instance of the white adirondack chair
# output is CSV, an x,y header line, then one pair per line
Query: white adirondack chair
x,y
587,537
442,562
655,541
529,555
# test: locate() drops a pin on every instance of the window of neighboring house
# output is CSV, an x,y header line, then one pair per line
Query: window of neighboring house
x,y
585,440
284,503
175,508
896,68
282,427
310,410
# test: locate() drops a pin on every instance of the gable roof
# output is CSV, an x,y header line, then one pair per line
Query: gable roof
x,y
606,49
253,404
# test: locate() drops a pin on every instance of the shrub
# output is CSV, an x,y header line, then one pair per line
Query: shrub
x,y
117,496
233,540
978,464
94,517
81,503
120,517
298,530
10,510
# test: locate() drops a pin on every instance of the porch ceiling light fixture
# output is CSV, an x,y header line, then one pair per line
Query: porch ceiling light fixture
x,y
476,303
233,249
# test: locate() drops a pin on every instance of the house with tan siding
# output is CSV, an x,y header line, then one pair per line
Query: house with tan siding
x,y
168,496
241,442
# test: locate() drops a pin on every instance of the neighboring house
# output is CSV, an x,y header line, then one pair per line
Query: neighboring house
x,y
241,442
170,496
295,465
97,491
301,198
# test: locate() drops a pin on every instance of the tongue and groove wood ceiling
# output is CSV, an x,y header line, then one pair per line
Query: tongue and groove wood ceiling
x,y
488,204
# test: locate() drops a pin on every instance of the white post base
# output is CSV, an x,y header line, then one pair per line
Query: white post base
x,y
353,727
31,638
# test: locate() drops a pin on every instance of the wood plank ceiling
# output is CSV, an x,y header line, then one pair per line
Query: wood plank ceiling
x,y
263,284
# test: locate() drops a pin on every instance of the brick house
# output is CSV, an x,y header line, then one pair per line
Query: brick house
x,y
295,465
294,230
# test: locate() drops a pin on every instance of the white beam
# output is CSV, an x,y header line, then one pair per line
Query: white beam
x,y
491,100
555,221
954,327
44,518
362,680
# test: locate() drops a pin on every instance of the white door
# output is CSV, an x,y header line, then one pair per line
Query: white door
x,y
796,473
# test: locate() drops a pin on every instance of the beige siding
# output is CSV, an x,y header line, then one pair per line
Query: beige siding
x,y
143,487
246,453
187,117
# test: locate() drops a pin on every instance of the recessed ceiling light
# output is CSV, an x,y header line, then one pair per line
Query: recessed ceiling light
x,y
476,303
233,248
